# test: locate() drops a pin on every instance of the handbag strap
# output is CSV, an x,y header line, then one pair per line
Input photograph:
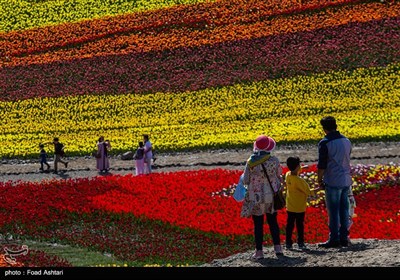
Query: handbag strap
x,y
266,174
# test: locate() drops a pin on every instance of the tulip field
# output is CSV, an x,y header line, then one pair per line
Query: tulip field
x,y
177,218
194,75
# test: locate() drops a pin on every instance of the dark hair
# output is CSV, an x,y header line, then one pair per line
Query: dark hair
x,y
141,144
292,163
55,139
328,123
41,146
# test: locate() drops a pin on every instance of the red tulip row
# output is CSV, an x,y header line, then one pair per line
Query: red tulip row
x,y
167,197
175,215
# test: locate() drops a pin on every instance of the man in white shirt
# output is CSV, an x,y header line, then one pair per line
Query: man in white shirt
x,y
148,153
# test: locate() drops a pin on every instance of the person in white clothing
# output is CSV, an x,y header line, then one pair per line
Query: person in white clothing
x,y
148,154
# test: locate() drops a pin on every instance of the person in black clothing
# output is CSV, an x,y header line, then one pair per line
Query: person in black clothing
x,y
58,153
43,157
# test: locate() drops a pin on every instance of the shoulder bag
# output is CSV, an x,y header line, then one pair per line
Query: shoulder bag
x,y
279,198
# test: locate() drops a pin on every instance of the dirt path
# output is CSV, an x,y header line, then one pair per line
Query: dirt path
x,y
14,170
361,253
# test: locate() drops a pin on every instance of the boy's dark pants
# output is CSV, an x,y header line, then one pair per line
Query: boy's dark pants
x,y
42,162
293,218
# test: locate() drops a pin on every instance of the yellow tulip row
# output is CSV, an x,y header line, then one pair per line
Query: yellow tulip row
x,y
21,15
366,103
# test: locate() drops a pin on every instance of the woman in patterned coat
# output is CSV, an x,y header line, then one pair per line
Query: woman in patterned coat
x,y
258,201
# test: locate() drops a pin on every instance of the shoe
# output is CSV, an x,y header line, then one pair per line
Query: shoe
x,y
329,244
66,164
258,255
55,172
278,250
344,243
289,246
302,246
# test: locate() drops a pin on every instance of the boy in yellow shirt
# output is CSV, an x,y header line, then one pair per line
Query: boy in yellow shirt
x,y
297,191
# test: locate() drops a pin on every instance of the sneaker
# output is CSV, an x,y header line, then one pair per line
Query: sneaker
x,y
289,246
344,243
329,244
302,246
278,250
55,172
258,255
